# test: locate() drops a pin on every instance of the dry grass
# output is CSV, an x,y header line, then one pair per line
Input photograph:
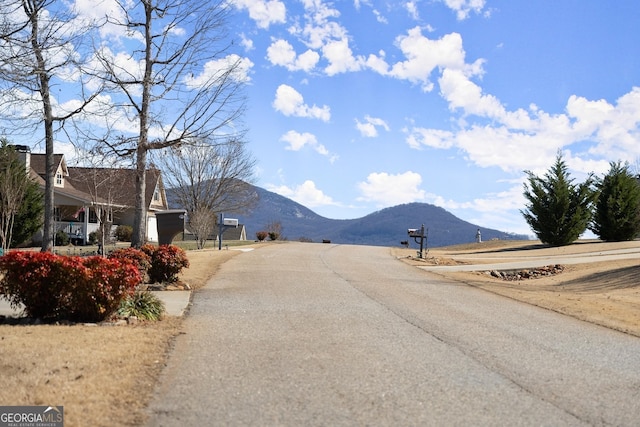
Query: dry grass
x,y
102,375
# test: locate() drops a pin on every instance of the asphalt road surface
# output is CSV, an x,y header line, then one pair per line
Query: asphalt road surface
x,y
333,335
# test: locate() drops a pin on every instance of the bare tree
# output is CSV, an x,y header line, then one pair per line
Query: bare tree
x,y
176,83
39,41
106,188
13,187
201,224
209,178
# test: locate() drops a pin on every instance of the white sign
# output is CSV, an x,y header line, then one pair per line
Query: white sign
x,y
230,222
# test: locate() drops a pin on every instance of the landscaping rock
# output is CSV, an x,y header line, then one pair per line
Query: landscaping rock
x,y
535,273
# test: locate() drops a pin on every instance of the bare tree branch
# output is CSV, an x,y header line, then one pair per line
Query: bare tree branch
x,y
186,85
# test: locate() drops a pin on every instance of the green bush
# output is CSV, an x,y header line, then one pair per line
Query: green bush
x,y
123,233
61,287
61,238
143,305
167,261
273,235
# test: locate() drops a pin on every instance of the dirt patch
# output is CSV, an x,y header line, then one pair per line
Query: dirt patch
x,y
102,375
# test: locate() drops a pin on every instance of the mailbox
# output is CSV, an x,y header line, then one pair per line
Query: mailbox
x,y
418,234
230,222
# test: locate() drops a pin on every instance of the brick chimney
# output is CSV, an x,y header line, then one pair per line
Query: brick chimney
x,y
24,154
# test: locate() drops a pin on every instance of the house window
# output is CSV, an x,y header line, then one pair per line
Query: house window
x,y
58,178
56,214
156,195
93,215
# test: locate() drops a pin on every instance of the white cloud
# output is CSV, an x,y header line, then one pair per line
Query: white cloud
x,y
297,141
246,42
380,17
318,28
433,138
307,194
369,128
389,190
264,12
215,70
321,32
529,139
423,56
92,11
464,7
412,8
462,93
291,103
340,57
500,209
281,53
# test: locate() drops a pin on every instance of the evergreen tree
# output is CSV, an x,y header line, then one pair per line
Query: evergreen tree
x,y
558,211
14,187
617,212
29,219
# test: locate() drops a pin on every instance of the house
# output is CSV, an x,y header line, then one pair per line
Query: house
x,y
238,233
83,195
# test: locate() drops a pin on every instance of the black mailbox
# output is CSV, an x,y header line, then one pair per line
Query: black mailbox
x,y
170,223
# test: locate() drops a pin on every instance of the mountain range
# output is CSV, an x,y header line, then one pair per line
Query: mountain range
x,y
387,227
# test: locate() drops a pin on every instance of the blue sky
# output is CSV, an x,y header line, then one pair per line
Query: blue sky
x,y
359,105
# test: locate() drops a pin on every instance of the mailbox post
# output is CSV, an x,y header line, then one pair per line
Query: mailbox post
x,y
223,224
418,233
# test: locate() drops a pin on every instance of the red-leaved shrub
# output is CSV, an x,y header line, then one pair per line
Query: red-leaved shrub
x,y
139,258
62,287
167,261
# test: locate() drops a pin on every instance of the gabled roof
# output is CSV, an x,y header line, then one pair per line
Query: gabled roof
x,y
102,185
38,163
116,186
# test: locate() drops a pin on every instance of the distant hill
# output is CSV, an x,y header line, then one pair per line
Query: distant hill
x,y
386,227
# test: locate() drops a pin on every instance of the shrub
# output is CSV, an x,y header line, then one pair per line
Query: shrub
x,y
139,258
167,261
273,235
60,287
123,233
61,238
261,235
94,237
143,305
558,211
617,210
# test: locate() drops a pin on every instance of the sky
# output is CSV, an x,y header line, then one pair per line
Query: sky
x,y
354,106
358,105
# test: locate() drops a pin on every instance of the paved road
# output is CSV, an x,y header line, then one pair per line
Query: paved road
x,y
332,335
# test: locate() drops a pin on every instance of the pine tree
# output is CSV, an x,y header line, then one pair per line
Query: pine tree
x,y
558,211
30,217
617,212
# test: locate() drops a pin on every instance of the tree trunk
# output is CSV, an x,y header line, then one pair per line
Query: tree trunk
x,y
139,236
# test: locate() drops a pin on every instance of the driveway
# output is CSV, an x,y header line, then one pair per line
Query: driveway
x,y
516,261
310,334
